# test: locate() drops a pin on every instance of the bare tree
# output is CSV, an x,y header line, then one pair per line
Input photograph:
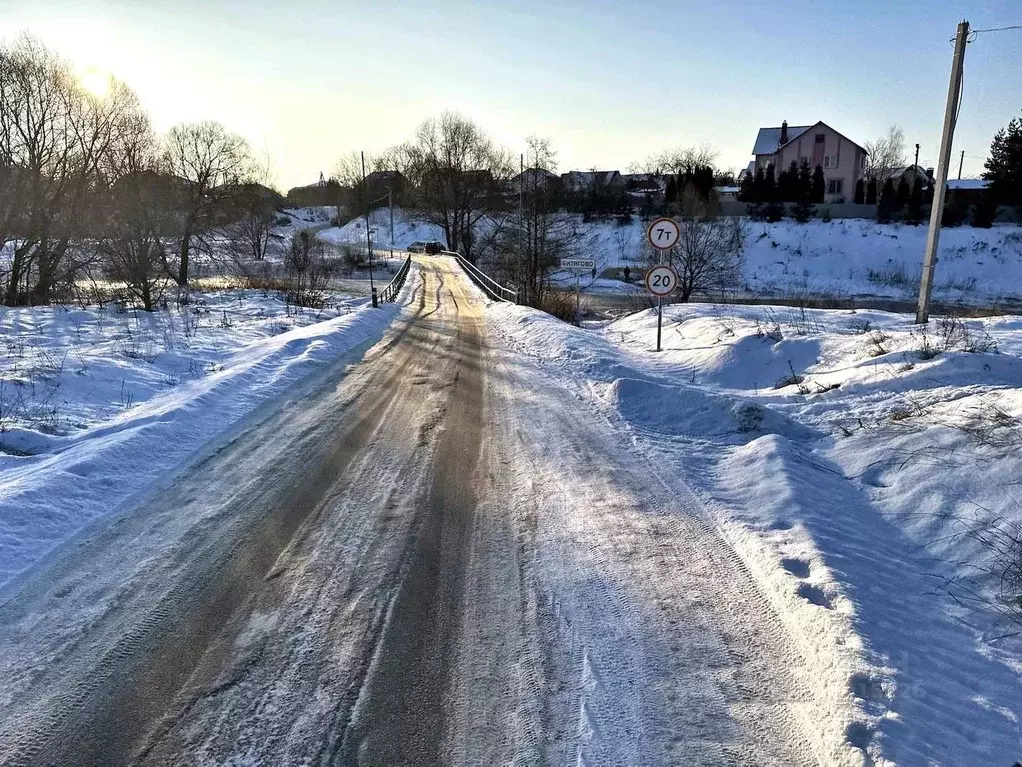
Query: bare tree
x,y
535,237
213,164
885,155
676,161
53,138
709,253
307,268
348,174
458,171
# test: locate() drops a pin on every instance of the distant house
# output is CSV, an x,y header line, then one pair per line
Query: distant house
x,y
843,161
727,192
532,178
913,173
322,193
379,182
593,181
652,183
967,184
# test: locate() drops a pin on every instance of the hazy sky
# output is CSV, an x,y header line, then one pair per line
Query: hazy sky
x,y
608,82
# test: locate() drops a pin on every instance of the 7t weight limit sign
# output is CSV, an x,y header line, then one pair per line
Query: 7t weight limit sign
x,y
663,233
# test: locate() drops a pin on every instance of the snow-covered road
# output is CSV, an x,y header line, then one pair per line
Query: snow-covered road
x,y
437,556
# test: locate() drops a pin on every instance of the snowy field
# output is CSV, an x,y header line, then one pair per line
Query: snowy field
x,y
836,259
95,404
866,472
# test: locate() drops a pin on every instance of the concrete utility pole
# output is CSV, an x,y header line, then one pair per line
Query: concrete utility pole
x,y
943,160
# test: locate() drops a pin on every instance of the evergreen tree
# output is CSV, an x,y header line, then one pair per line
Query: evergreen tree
x,y
819,184
860,192
1004,166
747,188
888,203
671,190
803,209
770,185
956,209
871,192
984,210
759,186
805,182
787,184
904,192
914,211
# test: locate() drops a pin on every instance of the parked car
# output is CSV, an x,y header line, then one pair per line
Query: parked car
x,y
417,247
433,247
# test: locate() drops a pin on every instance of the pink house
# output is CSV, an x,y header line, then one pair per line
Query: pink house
x,y
843,161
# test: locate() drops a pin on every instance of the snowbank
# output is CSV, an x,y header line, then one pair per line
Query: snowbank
x,y
860,467
840,258
131,416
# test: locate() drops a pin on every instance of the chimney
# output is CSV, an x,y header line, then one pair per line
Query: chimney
x,y
929,173
784,133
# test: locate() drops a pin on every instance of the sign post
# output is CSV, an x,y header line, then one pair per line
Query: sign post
x,y
578,265
662,234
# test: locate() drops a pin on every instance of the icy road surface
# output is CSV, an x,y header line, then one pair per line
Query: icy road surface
x,y
432,558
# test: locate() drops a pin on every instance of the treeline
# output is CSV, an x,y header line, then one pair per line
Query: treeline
x,y
88,189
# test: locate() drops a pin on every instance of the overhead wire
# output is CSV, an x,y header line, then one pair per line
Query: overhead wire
x,y
998,29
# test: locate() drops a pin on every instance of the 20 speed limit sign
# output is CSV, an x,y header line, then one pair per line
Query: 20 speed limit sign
x,y
663,233
661,280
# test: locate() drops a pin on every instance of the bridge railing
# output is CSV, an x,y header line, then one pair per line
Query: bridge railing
x,y
390,292
484,282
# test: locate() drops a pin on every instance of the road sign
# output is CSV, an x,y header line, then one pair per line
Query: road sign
x,y
661,280
663,233
578,264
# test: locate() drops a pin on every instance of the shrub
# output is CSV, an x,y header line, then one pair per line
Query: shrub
x,y
560,304
984,210
773,212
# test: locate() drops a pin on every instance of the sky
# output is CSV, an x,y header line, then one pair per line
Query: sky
x,y
608,82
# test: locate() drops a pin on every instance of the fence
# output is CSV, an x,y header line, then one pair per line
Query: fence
x,y
390,292
489,286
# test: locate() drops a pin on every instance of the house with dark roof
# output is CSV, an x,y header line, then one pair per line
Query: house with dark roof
x,y
590,181
843,161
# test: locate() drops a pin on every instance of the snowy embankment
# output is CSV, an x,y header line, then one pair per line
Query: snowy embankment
x,y
833,259
97,405
864,471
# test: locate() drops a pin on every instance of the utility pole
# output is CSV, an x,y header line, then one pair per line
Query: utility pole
x,y
369,232
917,156
943,160
961,162
390,204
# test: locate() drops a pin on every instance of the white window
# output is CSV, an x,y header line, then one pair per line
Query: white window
x,y
830,161
826,161
834,186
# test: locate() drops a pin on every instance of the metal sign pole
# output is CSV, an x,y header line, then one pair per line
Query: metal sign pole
x,y
659,310
662,234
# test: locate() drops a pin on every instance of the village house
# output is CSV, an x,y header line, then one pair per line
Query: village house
x,y
843,161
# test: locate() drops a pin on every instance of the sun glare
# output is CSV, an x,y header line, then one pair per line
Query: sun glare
x,y
95,81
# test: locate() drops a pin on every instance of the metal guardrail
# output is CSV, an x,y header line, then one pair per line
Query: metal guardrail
x,y
390,292
489,286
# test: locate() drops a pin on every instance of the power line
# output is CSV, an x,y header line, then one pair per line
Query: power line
x,y
997,29
976,32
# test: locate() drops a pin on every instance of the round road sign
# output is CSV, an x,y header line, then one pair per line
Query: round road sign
x,y
663,233
661,280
